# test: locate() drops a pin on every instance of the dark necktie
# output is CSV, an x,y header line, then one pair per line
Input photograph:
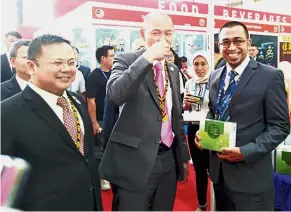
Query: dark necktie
x,y
226,98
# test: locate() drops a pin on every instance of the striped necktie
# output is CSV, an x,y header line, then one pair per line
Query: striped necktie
x,y
226,98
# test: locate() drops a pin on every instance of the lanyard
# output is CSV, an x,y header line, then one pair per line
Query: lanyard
x,y
103,73
221,91
198,91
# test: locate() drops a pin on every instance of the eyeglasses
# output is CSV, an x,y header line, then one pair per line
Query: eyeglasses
x,y
236,42
62,64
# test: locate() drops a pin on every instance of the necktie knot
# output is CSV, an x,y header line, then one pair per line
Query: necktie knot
x,y
232,75
158,66
62,102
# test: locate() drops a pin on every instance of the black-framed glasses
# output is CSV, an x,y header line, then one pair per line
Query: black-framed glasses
x,y
62,64
236,42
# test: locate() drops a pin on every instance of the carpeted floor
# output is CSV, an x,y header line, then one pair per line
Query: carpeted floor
x,y
186,198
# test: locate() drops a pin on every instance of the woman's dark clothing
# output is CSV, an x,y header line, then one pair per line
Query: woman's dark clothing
x,y
200,160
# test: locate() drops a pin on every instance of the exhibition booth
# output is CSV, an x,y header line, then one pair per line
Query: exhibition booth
x,y
117,23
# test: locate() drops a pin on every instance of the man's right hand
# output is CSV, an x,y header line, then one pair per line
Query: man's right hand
x,y
157,51
96,128
197,140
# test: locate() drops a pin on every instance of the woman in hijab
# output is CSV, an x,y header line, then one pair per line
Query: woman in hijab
x,y
196,99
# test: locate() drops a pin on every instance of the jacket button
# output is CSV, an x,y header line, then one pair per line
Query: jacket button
x,y
160,118
90,188
157,141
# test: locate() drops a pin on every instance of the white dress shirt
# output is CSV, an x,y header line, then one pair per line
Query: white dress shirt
x,y
22,83
239,70
51,100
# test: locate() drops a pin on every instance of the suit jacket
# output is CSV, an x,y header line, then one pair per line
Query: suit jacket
x,y
260,110
6,72
61,178
111,113
9,88
85,71
132,149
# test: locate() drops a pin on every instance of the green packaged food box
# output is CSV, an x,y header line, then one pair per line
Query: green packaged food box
x,y
283,159
215,135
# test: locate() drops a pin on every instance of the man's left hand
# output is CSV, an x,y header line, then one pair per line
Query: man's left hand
x,y
186,172
231,154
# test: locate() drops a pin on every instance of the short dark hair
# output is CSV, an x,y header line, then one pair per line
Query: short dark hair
x,y
102,51
176,58
35,45
254,45
184,59
14,34
77,50
16,45
231,24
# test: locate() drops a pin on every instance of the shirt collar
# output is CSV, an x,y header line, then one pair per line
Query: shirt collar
x,y
240,69
162,62
50,98
21,82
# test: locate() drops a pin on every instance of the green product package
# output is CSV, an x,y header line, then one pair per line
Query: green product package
x,y
283,159
215,135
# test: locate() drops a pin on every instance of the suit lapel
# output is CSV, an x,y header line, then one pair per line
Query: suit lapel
x,y
245,77
152,87
215,81
47,114
173,78
14,86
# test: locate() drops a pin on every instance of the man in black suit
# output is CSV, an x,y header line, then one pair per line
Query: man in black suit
x,y
53,133
253,53
6,69
85,70
146,153
252,95
18,55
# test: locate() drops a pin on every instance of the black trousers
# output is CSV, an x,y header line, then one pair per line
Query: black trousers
x,y
200,160
228,200
159,192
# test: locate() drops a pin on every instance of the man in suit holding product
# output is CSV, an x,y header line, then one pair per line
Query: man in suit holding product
x,y
252,95
146,152
53,133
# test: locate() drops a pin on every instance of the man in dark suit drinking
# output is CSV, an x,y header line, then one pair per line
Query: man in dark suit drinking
x,y
53,133
252,95
18,55
146,152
